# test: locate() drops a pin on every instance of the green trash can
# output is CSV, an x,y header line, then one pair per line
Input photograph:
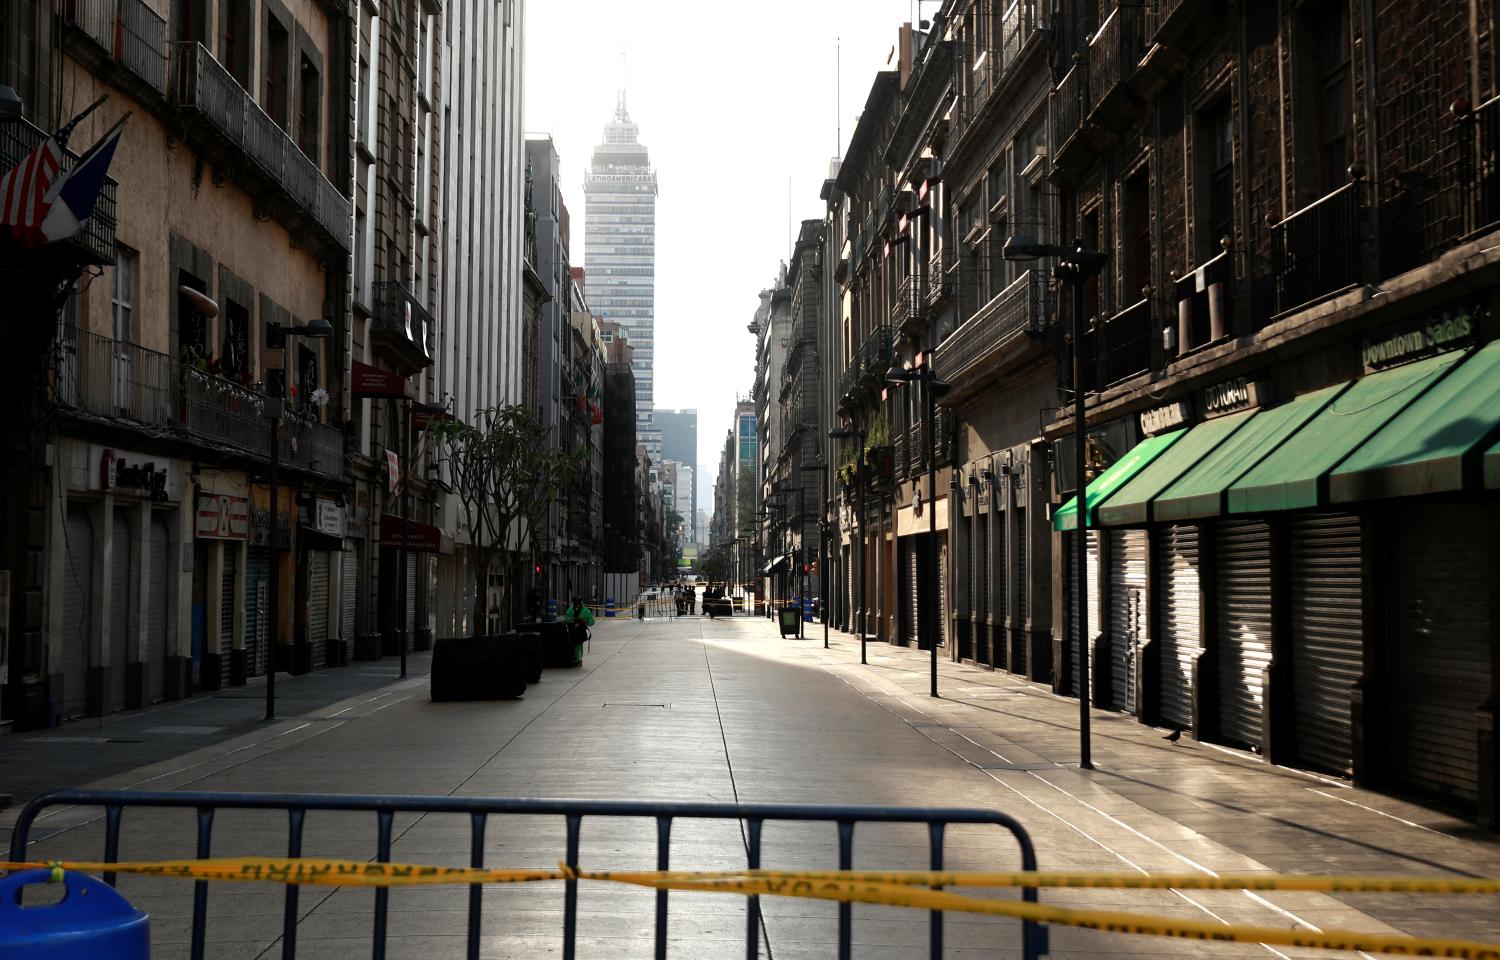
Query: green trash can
x,y
787,617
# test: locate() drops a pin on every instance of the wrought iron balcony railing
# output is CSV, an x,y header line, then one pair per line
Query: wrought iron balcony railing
x,y
870,361
95,242
128,32
909,311
401,324
1317,250
940,278
111,378
202,85
1070,105
1017,310
1114,52
1202,302
1481,178
986,64
1126,344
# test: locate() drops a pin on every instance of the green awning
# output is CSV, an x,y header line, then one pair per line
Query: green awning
x,y
1295,475
1435,445
1066,518
1200,491
1132,504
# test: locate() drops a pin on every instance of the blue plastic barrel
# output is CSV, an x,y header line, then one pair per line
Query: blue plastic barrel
x,y
609,606
91,922
551,609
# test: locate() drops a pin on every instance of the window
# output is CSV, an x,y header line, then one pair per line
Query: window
x,y
1334,112
275,71
1215,163
192,20
1135,203
307,374
237,361
192,325
309,98
362,101
122,294
234,39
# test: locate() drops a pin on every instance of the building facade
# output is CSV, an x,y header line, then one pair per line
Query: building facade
x,y
679,441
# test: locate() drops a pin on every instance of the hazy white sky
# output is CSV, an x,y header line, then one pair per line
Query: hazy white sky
x,y
732,99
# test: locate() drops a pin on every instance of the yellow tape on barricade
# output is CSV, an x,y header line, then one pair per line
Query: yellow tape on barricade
x,y
881,888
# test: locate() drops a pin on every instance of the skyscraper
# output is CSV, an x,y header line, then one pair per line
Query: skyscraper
x,y
620,251
679,441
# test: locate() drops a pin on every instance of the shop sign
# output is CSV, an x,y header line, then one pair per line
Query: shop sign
x,y
1439,332
123,470
1169,417
1241,393
222,517
393,471
368,381
421,537
328,518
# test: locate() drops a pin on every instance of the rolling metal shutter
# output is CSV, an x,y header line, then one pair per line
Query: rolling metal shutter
x,y
411,594
158,597
1177,599
1243,626
78,620
1070,576
317,603
1440,622
257,612
226,609
1327,626
121,563
943,608
1127,613
984,642
1020,662
348,594
911,573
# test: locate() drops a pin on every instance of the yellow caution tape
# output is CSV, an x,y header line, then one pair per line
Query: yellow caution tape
x,y
882,888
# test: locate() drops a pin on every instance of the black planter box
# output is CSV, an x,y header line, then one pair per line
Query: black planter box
x,y
479,668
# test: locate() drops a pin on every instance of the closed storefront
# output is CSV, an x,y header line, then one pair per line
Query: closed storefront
x,y
319,567
1242,619
158,600
911,579
1439,645
228,597
1019,661
943,607
983,652
1177,602
1326,623
121,606
1127,614
1075,618
348,594
78,612
257,608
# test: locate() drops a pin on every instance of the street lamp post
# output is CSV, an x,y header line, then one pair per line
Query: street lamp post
x,y
932,388
1075,266
274,410
822,470
842,433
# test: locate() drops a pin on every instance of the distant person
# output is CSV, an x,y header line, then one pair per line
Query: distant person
x,y
579,618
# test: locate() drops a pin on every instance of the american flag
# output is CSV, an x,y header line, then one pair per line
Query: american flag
x,y
23,189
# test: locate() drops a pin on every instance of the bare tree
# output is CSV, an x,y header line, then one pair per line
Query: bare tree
x,y
504,476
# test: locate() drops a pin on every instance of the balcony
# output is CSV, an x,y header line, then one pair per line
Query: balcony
x,y
1317,251
401,325
1481,179
1002,330
1203,303
95,243
867,366
1070,106
1126,344
223,415
129,40
204,88
1114,52
113,379
988,69
941,278
902,445
909,311
945,446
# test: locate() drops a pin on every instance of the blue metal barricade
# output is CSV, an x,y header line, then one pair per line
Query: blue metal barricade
x,y
752,818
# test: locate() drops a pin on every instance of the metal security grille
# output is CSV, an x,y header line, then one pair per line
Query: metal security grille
x,y
121,565
317,606
78,620
1020,662
943,608
983,639
257,612
911,573
1070,561
348,594
1243,626
1440,620
1327,625
1178,614
157,599
999,585
1127,613
411,595
226,609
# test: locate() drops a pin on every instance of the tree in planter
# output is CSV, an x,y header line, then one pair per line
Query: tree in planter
x,y
504,476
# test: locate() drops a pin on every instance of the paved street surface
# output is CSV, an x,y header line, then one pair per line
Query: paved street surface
x,y
697,709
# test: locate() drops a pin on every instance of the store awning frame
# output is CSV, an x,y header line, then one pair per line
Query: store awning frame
x,y
1119,473
1131,505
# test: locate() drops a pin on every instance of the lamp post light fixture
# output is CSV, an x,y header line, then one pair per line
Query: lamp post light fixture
x,y
275,408
843,433
1075,265
932,388
822,470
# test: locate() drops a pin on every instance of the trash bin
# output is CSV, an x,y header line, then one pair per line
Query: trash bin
x,y
90,921
787,618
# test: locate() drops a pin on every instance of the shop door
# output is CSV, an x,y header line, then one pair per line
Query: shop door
x,y
1019,661
257,608
121,606
1070,577
1127,613
226,608
157,600
411,594
999,581
943,609
317,604
983,641
911,576
348,594
1243,625
1440,624
1327,625
78,609
1178,614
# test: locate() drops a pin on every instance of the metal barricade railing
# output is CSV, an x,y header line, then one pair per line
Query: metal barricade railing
x,y
752,818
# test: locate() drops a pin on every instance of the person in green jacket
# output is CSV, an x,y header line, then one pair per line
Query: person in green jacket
x,y
579,619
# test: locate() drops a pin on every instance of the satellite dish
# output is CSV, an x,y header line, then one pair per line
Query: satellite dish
x,y
200,301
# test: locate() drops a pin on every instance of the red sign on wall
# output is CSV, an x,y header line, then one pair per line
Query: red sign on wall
x,y
421,537
223,517
368,381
